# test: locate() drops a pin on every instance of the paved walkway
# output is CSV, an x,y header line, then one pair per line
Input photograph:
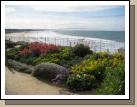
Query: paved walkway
x,y
18,83
24,84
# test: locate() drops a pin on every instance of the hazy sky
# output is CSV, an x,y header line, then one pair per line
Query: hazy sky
x,y
91,17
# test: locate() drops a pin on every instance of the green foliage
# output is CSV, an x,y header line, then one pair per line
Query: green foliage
x,y
101,55
17,57
52,58
65,58
114,82
68,63
96,64
88,56
19,66
12,53
81,50
118,55
9,44
29,60
88,70
66,54
80,82
93,67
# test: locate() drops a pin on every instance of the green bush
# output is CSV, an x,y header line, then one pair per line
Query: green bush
x,y
52,58
39,60
81,50
59,58
12,53
96,64
9,44
93,67
19,66
29,60
21,59
66,54
64,58
114,82
101,55
88,56
118,55
17,58
80,82
71,62
51,72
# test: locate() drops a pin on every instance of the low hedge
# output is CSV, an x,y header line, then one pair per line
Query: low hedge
x,y
9,44
52,72
114,82
64,58
81,82
19,66
12,53
81,50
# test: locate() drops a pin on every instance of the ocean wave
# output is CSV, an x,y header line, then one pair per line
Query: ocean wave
x,y
51,37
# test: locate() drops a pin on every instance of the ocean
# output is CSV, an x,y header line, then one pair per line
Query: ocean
x,y
109,35
96,40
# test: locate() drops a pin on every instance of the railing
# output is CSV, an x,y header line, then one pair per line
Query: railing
x,y
95,44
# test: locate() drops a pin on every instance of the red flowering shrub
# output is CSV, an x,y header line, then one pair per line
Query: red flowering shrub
x,y
25,52
37,49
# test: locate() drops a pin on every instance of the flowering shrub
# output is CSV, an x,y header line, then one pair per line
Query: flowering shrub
x,y
12,53
51,71
37,49
80,82
105,68
81,50
25,52
114,82
91,67
64,58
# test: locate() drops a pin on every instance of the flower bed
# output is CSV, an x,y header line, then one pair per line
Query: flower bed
x,y
88,69
37,49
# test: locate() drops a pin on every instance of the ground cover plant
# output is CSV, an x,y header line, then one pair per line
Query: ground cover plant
x,y
52,72
85,69
105,68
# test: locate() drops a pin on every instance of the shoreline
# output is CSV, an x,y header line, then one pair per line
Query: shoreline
x,y
50,37
55,35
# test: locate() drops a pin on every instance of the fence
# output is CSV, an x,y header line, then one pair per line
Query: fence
x,y
94,44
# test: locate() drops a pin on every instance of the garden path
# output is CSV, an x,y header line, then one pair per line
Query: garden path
x,y
18,83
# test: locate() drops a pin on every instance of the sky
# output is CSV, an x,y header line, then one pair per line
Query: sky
x,y
89,17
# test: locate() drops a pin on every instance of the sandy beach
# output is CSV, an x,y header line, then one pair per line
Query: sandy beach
x,y
51,37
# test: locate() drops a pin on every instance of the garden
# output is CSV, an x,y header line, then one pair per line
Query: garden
x,y
76,68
